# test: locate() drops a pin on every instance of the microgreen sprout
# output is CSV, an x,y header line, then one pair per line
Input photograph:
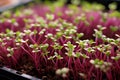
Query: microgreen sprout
x,y
6,14
79,35
53,24
28,32
82,75
58,56
69,12
113,28
112,6
98,34
50,16
49,35
35,48
70,48
89,49
57,46
44,47
116,58
9,33
11,51
84,56
1,40
42,31
104,66
63,72
28,12
82,43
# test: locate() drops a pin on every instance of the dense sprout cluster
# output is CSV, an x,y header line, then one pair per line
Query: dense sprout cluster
x,y
61,43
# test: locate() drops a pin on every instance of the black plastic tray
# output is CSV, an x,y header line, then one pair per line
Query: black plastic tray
x,y
10,74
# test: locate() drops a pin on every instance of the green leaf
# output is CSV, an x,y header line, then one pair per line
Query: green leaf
x,y
96,61
77,54
113,28
113,6
79,35
50,16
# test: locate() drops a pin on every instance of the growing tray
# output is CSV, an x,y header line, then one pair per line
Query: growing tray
x,y
11,74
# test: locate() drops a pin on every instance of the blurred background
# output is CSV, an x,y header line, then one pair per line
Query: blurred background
x,y
5,4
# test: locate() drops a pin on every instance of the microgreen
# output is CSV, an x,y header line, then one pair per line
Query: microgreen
x,y
11,51
71,41
50,16
70,48
104,66
114,29
63,72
